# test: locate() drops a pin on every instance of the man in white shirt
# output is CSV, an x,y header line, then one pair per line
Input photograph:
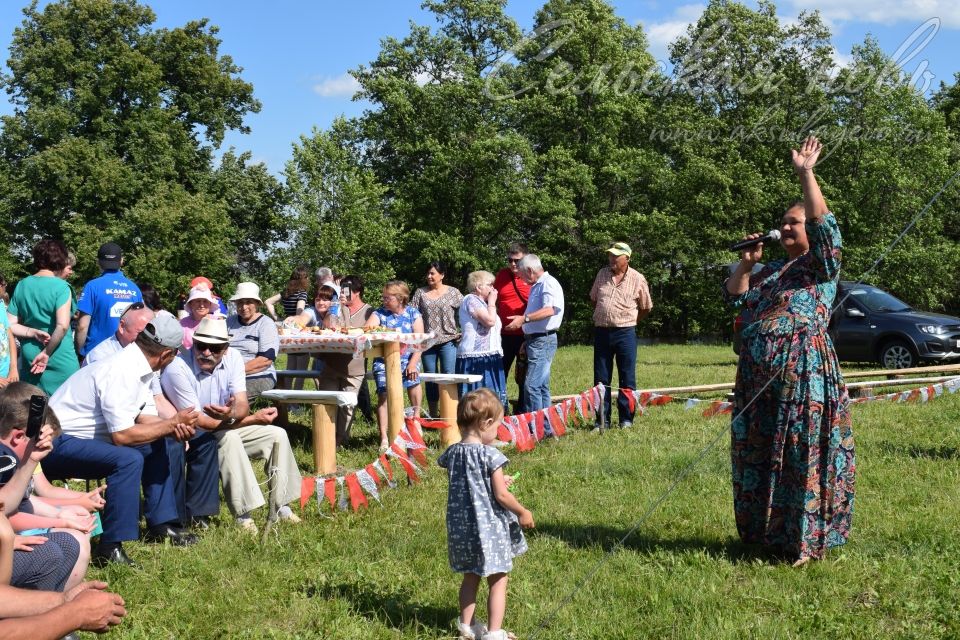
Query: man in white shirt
x,y
540,321
210,378
111,429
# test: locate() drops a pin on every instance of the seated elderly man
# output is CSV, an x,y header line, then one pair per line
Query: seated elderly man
x,y
210,377
255,337
111,429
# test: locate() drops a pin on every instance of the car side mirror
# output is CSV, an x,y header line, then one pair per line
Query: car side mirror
x,y
853,312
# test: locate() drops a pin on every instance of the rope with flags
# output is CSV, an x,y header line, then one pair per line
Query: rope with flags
x,y
350,490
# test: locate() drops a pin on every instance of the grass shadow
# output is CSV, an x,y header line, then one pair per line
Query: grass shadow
x,y
604,537
394,609
916,451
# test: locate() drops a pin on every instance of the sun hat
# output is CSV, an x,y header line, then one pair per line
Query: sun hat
x,y
212,331
247,291
110,255
201,280
620,249
165,331
201,292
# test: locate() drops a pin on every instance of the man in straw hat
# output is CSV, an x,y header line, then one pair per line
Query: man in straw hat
x,y
210,378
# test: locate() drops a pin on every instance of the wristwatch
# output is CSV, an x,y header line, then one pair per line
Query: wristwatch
x,y
228,422
526,319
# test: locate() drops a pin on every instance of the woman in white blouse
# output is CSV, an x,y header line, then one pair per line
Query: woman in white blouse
x,y
480,351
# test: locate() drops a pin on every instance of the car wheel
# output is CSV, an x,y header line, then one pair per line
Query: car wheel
x,y
897,354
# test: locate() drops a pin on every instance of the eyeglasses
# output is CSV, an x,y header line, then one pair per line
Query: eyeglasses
x,y
513,260
212,348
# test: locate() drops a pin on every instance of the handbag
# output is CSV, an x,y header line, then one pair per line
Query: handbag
x,y
520,372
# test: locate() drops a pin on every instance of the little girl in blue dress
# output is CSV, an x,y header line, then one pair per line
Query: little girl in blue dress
x,y
484,519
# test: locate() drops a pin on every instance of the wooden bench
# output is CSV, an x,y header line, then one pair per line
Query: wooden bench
x,y
449,394
324,406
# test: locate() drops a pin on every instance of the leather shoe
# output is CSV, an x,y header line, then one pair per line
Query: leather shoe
x,y
170,533
105,554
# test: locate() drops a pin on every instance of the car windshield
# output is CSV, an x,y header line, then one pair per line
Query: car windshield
x,y
877,300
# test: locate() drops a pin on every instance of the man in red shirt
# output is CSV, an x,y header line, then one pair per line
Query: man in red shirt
x,y
512,294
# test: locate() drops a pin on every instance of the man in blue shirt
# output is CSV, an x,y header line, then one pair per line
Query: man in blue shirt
x,y
104,300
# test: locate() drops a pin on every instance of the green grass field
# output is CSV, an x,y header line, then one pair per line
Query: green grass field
x,y
681,574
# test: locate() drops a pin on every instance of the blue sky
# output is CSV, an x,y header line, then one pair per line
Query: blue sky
x,y
297,53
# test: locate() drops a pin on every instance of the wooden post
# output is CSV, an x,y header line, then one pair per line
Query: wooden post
x,y
391,361
325,438
448,412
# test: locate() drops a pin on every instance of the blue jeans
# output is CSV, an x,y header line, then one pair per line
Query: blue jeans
x,y
615,344
444,355
540,352
126,470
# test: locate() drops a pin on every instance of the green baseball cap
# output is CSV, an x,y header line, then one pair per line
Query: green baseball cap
x,y
620,249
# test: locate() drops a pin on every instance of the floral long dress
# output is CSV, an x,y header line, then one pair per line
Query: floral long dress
x,y
791,434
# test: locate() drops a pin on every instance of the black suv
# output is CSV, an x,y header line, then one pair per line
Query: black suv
x,y
869,324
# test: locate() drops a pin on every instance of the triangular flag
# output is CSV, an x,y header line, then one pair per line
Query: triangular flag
x,y
383,466
538,425
307,487
503,432
357,499
631,398
556,422
342,502
330,492
368,482
372,472
408,467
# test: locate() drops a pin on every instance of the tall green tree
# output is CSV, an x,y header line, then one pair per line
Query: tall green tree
x,y
110,113
343,217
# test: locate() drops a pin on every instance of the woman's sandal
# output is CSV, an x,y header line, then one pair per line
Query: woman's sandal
x,y
473,631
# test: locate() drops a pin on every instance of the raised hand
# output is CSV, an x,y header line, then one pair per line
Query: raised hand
x,y
805,158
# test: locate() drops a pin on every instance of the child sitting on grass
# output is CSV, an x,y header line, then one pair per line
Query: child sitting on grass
x,y
483,517
34,519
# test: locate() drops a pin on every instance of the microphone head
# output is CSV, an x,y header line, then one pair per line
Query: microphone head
x,y
774,234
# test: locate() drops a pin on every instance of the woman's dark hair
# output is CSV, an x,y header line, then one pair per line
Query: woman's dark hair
x,y
324,293
354,283
439,266
299,281
150,297
50,254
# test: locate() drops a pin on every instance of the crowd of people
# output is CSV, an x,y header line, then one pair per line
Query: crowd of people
x,y
165,407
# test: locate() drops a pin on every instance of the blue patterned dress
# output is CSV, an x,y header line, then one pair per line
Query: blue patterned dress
x,y
402,322
792,446
483,537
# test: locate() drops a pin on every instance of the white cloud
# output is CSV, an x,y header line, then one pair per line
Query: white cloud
x,y
884,12
662,34
342,86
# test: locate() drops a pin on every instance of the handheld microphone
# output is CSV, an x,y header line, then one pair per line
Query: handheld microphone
x,y
772,236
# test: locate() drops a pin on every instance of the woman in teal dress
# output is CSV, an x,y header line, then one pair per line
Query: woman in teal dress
x,y
791,434
39,315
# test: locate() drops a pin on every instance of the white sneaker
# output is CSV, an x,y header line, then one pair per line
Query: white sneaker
x,y
248,525
473,631
499,634
286,514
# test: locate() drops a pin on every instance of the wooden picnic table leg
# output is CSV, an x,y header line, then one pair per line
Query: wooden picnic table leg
x,y
395,417
325,438
448,413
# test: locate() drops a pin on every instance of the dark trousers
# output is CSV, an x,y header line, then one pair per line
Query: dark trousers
x,y
615,345
126,470
511,346
196,476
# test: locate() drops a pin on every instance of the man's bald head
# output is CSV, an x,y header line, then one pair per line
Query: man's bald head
x,y
132,323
